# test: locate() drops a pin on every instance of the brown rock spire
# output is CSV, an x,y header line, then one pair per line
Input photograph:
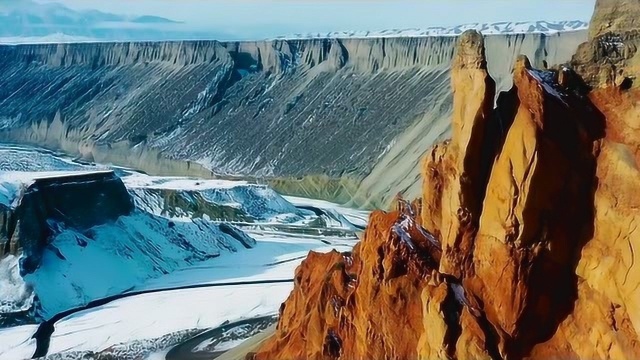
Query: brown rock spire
x,y
537,213
464,169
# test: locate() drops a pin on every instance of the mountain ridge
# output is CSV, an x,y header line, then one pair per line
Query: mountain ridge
x,y
502,27
61,35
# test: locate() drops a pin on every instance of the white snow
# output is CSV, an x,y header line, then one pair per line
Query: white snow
x,y
16,342
154,315
354,216
138,180
148,316
143,317
10,188
402,230
545,79
113,258
275,258
148,250
258,201
527,27
15,295
54,38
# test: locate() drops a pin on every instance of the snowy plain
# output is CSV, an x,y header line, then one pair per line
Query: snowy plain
x,y
503,27
152,250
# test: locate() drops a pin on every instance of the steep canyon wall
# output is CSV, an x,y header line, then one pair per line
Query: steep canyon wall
x,y
344,120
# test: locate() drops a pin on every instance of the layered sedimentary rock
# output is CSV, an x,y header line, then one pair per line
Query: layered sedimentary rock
x,y
460,173
80,200
615,16
334,311
525,242
268,111
611,57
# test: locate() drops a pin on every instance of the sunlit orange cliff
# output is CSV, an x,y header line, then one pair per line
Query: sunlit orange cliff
x,y
523,243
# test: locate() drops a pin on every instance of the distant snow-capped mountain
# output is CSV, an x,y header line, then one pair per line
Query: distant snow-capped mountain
x,y
28,21
27,17
57,38
485,28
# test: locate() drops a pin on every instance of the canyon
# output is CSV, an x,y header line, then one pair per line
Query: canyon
x,y
344,120
503,167
522,241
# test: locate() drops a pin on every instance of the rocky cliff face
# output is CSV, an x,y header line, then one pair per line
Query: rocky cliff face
x,y
257,110
80,201
615,16
611,57
523,243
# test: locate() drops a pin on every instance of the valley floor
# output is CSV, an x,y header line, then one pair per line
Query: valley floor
x,y
234,286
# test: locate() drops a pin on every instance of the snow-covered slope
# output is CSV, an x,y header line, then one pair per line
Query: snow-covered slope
x,y
15,294
55,38
30,159
176,224
176,232
228,200
78,267
528,27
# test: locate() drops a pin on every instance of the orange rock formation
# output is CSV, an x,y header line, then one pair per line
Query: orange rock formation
x,y
523,245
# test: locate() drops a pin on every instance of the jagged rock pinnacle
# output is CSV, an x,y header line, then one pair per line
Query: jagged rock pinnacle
x,y
474,93
470,51
522,62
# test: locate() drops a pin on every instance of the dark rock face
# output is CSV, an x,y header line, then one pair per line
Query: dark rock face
x,y
78,201
615,16
611,56
247,241
321,118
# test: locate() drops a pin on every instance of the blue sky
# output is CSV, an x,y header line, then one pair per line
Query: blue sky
x,y
288,16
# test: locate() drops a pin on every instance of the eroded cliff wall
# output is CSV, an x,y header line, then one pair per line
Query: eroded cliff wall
x,y
345,120
81,200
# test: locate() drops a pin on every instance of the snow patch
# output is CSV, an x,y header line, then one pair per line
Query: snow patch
x,y
132,319
546,79
15,294
16,342
527,27
258,201
355,217
78,267
401,229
